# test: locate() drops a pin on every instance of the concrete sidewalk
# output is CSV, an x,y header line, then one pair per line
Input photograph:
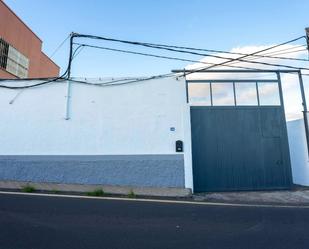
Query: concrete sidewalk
x,y
85,188
297,196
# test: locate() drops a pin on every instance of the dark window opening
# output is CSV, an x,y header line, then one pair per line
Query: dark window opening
x,y
4,51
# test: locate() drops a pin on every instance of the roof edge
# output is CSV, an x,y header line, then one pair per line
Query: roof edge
x,y
50,59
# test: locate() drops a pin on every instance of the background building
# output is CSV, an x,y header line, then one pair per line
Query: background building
x,y
20,49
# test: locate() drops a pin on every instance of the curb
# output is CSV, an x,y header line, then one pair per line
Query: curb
x,y
157,200
111,190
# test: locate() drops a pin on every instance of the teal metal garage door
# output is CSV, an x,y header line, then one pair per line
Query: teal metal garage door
x,y
242,148
239,135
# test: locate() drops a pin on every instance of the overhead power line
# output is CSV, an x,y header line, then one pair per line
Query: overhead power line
x,y
154,55
106,83
161,47
254,53
165,57
59,46
183,47
241,59
156,46
237,53
127,81
33,85
283,51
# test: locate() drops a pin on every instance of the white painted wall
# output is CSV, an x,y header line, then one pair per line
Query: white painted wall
x,y
298,152
114,120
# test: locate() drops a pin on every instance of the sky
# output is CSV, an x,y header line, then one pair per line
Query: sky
x,y
239,26
223,25
246,92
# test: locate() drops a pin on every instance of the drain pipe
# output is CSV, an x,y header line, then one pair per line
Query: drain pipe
x,y
68,100
69,83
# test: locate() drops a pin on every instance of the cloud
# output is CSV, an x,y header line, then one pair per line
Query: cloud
x,y
245,94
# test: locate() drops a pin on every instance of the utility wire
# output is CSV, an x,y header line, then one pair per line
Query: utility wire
x,y
128,81
272,53
117,82
106,82
47,80
59,46
238,53
77,50
151,45
180,47
241,58
157,46
154,55
163,57
34,85
285,50
277,52
254,53
168,57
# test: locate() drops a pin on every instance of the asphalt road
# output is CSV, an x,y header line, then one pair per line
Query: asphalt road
x,y
39,222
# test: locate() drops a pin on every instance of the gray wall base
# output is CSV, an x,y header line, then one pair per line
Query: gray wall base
x,y
79,188
121,170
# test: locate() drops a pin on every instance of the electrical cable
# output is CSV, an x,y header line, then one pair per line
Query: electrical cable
x,y
241,60
238,53
128,81
59,46
77,50
106,82
154,55
178,47
285,50
272,53
75,35
236,59
34,85
158,56
160,46
122,81
157,46
47,80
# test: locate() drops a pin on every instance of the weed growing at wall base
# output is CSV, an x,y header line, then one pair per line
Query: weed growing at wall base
x,y
96,192
28,189
131,194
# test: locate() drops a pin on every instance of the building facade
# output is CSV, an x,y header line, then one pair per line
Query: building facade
x,y
20,49
127,135
113,136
